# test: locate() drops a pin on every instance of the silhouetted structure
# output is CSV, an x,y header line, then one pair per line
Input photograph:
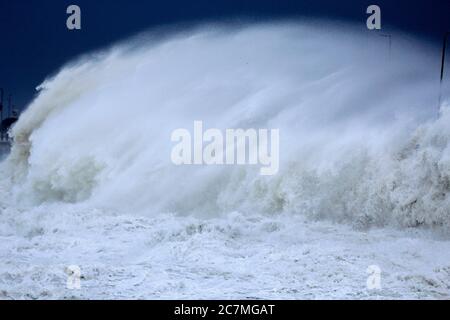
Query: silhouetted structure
x,y
444,49
8,116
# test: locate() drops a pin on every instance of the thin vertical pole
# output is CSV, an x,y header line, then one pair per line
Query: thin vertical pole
x,y
1,113
9,106
444,49
390,42
1,104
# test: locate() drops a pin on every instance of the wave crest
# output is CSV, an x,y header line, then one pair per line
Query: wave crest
x,y
360,141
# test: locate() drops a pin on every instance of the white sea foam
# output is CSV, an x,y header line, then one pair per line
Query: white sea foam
x,y
90,181
355,141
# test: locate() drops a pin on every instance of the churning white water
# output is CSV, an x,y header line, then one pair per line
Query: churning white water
x,y
364,175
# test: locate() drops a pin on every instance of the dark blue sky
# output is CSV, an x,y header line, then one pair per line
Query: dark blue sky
x,y
35,41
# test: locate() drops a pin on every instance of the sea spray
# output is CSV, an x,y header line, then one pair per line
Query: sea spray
x,y
360,142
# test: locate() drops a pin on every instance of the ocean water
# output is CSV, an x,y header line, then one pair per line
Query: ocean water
x,y
364,175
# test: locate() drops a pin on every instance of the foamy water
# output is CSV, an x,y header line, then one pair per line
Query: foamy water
x,y
363,144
